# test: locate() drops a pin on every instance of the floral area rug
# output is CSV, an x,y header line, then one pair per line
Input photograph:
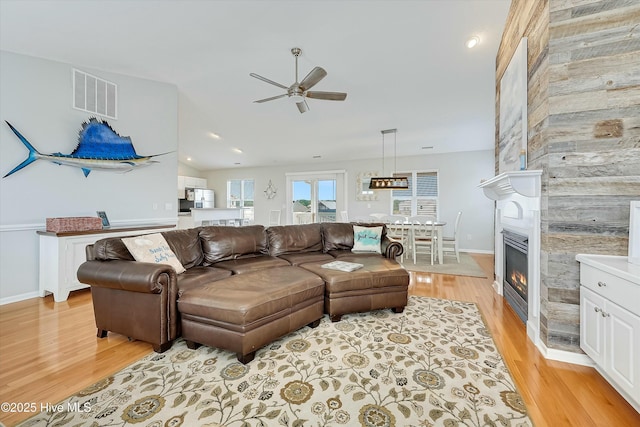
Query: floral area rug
x,y
433,365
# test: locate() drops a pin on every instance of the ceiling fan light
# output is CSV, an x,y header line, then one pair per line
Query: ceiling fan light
x,y
295,98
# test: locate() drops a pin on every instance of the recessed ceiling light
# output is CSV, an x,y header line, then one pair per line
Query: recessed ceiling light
x,y
214,135
427,147
188,159
236,163
472,42
237,150
317,156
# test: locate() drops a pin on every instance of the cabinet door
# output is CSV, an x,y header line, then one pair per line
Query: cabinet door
x,y
201,183
623,342
592,325
181,183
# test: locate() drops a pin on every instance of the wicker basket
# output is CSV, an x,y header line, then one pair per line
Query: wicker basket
x,y
78,223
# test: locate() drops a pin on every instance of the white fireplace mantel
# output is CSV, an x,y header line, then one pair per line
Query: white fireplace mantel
x,y
517,195
517,182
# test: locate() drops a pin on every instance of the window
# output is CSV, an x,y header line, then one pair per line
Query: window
x,y
240,194
421,198
315,196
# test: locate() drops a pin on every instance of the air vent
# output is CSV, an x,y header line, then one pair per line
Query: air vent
x,y
94,95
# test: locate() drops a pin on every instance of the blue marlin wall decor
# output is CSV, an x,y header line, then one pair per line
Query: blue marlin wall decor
x,y
99,147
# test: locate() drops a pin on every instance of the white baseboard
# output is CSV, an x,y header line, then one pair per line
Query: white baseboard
x,y
21,297
564,356
477,251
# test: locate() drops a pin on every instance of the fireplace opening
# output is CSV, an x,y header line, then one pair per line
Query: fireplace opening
x,y
516,268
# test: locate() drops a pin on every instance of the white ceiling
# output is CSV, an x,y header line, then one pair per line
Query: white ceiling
x,y
404,65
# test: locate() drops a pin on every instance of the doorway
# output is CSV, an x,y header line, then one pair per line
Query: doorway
x,y
315,197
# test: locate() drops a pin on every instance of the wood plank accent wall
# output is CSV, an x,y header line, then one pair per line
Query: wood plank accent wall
x,y
583,132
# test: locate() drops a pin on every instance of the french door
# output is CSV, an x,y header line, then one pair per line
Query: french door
x,y
315,197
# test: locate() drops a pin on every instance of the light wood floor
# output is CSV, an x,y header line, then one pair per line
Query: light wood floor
x,y
49,350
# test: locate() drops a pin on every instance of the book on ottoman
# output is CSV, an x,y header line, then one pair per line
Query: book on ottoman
x,y
342,265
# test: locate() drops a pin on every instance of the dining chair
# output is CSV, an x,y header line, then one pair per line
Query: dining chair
x,y
397,229
274,217
423,235
344,216
450,244
304,218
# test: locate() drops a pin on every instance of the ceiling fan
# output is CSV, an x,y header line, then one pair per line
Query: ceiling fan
x,y
297,92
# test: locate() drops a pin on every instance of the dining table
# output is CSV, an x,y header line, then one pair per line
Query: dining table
x,y
438,227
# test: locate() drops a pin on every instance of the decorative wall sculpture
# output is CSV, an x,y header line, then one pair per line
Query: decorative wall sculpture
x,y
99,147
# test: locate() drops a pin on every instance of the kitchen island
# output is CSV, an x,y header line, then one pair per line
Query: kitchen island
x,y
215,216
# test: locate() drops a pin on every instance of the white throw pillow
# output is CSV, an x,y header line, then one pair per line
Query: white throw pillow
x,y
153,248
366,239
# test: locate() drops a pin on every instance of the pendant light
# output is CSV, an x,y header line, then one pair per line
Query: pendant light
x,y
392,182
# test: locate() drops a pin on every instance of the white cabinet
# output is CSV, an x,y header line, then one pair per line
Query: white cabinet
x,y
181,187
62,253
191,182
185,221
610,320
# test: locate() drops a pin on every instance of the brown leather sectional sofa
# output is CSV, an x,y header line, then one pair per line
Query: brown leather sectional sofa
x,y
243,286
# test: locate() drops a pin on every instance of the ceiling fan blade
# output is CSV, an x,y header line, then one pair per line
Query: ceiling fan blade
x,y
302,106
330,96
270,99
264,79
312,78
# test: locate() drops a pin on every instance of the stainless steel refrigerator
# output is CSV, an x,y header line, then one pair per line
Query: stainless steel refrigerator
x,y
203,198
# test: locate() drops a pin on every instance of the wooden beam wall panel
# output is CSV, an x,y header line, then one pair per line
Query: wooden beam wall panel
x,y
585,243
583,132
595,186
596,20
610,208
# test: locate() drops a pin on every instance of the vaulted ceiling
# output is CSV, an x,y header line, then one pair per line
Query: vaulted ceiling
x,y
404,65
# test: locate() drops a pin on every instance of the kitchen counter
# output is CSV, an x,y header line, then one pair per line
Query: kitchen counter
x,y
616,265
216,216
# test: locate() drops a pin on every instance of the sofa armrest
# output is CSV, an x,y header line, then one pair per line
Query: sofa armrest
x,y
128,276
391,248
135,299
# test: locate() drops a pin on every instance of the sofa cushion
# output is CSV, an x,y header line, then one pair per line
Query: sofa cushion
x,y
220,243
200,276
339,236
377,272
342,253
251,299
251,263
285,239
111,248
186,245
302,257
153,248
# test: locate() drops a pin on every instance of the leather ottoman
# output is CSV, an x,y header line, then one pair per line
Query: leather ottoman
x,y
244,312
380,283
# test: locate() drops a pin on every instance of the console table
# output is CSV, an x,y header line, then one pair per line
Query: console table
x,y
62,253
610,320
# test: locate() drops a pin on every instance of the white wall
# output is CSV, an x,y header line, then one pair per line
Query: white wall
x,y
36,99
187,170
459,175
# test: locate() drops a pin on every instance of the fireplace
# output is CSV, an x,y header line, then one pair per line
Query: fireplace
x,y
516,267
517,211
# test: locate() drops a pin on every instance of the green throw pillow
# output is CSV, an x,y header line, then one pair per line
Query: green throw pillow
x,y
366,239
